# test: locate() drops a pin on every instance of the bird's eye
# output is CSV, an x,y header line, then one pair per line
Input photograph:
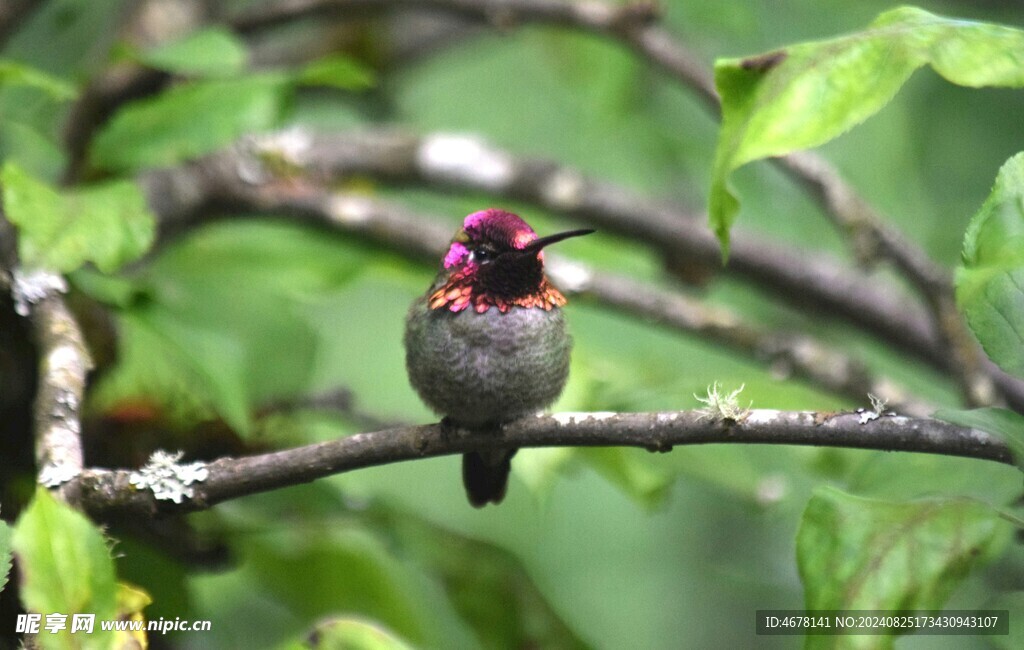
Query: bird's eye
x,y
481,255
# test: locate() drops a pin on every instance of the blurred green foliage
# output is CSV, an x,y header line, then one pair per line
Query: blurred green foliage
x,y
595,548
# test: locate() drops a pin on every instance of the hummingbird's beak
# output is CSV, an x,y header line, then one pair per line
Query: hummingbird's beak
x,y
541,242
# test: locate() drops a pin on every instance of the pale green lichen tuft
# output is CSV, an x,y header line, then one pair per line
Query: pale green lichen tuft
x,y
876,411
168,480
719,405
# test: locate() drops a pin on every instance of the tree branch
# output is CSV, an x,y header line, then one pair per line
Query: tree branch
x,y
107,494
64,364
64,361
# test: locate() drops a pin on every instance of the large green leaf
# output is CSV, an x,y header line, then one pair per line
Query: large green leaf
x,y
186,365
324,563
190,120
204,352
210,52
106,224
990,284
857,553
805,95
66,568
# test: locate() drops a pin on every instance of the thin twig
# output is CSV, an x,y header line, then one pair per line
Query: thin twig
x,y
106,494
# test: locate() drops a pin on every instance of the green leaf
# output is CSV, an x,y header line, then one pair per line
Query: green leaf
x,y
5,553
990,283
106,224
337,72
66,569
638,473
13,73
206,352
856,553
807,94
1004,423
221,322
474,593
34,150
354,634
190,120
210,52
155,372
354,569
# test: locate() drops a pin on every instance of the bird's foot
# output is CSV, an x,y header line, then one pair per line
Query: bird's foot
x,y
450,429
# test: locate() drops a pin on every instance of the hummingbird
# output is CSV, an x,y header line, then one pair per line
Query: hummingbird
x,y
487,343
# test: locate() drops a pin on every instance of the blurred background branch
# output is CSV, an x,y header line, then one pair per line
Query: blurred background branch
x,y
466,163
238,181
634,24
